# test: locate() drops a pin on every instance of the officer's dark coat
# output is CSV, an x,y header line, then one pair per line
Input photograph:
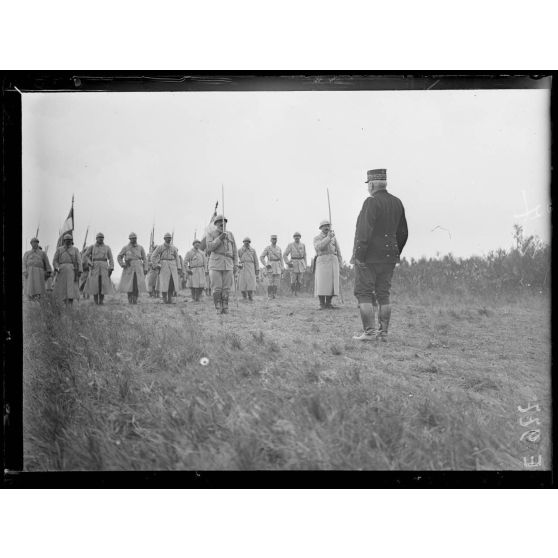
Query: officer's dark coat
x,y
381,230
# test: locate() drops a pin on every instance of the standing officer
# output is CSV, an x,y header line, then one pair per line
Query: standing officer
x,y
101,265
381,234
297,265
133,261
165,260
194,265
328,260
223,263
249,269
274,266
36,270
67,270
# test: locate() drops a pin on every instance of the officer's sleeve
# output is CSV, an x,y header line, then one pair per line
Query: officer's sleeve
x,y
120,257
47,263
110,258
402,232
262,257
365,227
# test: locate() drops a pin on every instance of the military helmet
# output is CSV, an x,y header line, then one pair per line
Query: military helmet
x,y
34,239
68,236
132,235
296,234
100,235
167,235
324,222
246,239
220,218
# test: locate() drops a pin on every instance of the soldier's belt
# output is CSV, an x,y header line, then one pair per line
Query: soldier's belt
x,y
271,260
297,258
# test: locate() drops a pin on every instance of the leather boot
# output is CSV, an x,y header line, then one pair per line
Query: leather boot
x,y
165,299
96,299
101,298
367,317
322,302
250,295
269,290
328,301
274,291
225,299
384,315
193,293
217,301
130,298
244,295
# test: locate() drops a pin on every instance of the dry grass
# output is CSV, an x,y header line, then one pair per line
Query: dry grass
x,y
122,388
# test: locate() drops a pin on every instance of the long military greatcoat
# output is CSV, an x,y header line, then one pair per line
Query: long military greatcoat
x,y
326,277
67,262
223,254
166,255
247,275
297,251
35,264
100,260
381,230
134,262
194,260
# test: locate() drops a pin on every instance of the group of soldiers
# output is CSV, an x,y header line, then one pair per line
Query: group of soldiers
x,y
215,265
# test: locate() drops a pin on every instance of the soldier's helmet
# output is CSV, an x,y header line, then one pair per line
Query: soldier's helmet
x,y
100,235
274,236
68,236
246,239
324,223
132,235
220,218
34,239
296,234
196,241
167,235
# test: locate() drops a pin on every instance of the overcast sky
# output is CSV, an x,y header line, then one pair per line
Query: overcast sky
x,y
471,162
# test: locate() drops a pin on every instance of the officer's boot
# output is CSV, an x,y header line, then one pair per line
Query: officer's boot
x,y
96,299
250,296
217,301
384,316
274,291
101,298
130,298
367,316
225,299
328,301
269,291
165,300
322,302
244,294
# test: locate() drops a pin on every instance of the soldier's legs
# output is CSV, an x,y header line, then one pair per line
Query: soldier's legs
x,y
322,301
227,285
250,295
365,285
135,290
244,295
383,287
217,288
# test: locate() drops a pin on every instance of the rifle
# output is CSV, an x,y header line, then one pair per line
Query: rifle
x,y
226,238
85,241
331,225
37,233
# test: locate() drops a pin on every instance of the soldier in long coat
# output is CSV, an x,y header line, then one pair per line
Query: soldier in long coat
x,y
152,275
328,260
223,263
133,261
67,270
36,269
249,269
381,234
297,264
166,261
101,265
274,267
194,263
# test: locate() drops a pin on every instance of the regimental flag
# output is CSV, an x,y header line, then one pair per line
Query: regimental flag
x,y
67,227
209,229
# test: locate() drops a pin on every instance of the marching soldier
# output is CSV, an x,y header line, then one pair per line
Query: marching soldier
x,y
166,261
381,234
249,269
36,270
223,263
101,265
297,264
328,260
194,265
133,261
274,267
67,270
152,275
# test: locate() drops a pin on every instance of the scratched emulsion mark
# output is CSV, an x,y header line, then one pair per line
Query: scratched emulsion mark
x,y
530,214
531,437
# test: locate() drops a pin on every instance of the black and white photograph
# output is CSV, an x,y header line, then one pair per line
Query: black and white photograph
x,y
305,273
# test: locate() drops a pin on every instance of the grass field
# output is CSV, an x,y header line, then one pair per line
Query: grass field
x,y
121,387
